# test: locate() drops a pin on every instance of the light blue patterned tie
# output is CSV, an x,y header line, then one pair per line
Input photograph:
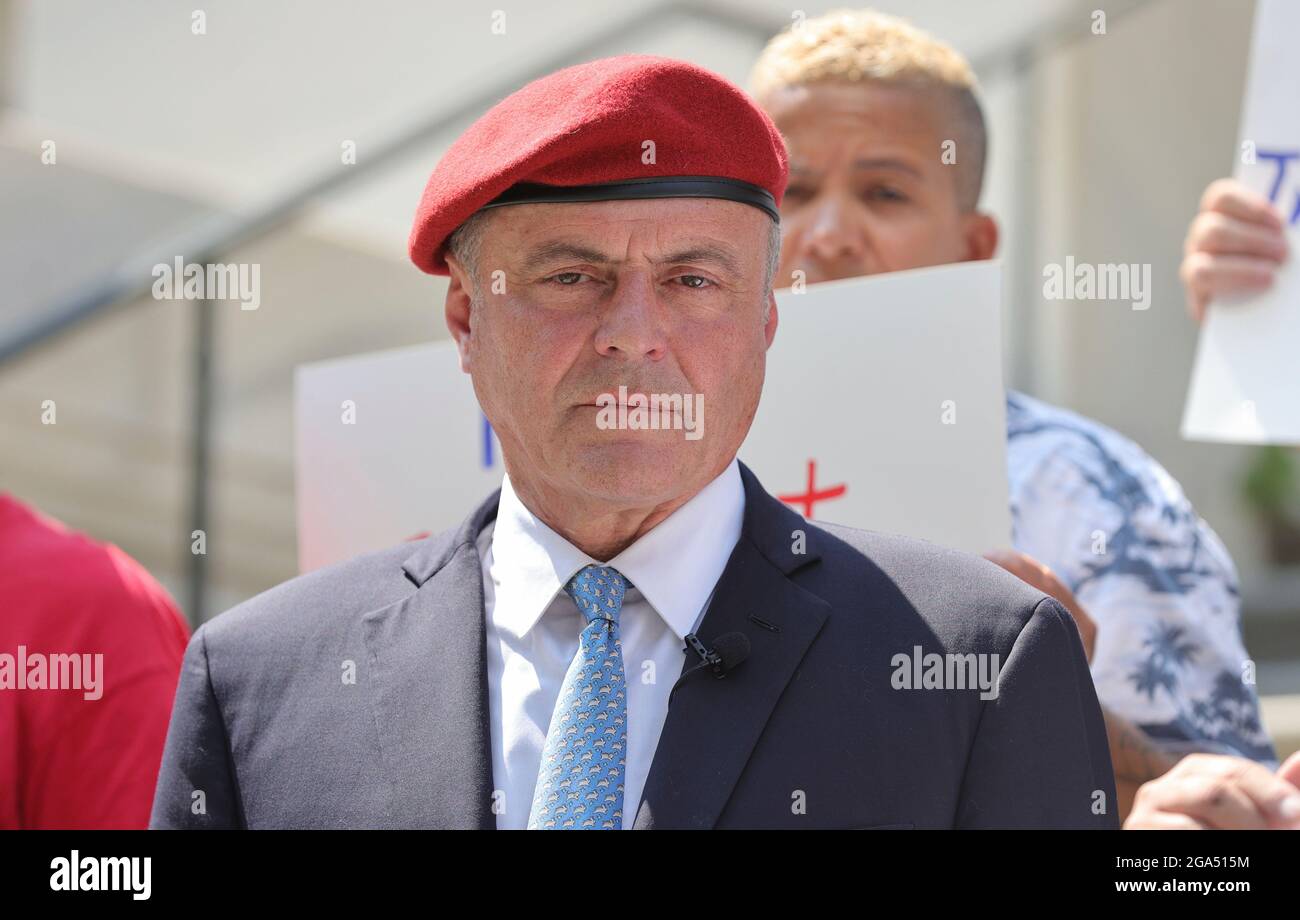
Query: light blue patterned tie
x,y
580,780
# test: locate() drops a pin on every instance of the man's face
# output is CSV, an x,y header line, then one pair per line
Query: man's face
x,y
661,296
869,191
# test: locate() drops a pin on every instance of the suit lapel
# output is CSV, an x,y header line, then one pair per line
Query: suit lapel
x,y
713,724
427,656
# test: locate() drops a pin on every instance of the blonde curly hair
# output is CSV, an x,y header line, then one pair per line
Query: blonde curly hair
x,y
858,46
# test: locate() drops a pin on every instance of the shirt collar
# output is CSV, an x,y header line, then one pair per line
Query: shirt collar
x,y
674,566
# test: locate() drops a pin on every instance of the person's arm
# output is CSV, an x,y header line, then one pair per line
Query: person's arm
x,y
1040,757
196,786
1234,246
1134,757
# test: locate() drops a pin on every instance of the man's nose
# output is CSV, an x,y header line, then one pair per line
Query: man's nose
x,y
838,231
631,326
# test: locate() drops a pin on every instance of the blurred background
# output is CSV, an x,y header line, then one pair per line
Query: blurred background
x,y
228,146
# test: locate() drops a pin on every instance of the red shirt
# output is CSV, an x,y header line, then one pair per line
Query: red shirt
x,y
68,761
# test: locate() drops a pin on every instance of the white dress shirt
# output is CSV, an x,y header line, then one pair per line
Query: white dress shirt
x,y
533,628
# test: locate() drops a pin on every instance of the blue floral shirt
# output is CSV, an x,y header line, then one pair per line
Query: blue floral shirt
x,y
1117,529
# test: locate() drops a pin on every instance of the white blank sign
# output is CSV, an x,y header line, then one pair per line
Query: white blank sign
x,y
892,386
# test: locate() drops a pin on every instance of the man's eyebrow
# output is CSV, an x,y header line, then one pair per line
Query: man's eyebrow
x,y
560,249
886,163
802,170
705,253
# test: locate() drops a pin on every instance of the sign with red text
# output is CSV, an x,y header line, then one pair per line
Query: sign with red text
x,y
1245,385
882,408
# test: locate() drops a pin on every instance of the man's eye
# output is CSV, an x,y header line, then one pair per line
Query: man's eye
x,y
568,279
694,281
885,193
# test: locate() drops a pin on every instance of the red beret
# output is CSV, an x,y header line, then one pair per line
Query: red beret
x,y
578,135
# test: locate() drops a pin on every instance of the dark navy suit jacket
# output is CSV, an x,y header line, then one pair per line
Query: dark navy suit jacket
x,y
815,729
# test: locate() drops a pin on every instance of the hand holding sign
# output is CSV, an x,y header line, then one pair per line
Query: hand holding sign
x,y
1245,386
1234,248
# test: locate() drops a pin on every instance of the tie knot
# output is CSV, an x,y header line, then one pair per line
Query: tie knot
x,y
598,591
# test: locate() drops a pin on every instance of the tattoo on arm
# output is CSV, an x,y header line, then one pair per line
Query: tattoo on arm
x,y
1134,757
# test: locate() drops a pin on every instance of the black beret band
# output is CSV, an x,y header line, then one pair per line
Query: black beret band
x,y
655,187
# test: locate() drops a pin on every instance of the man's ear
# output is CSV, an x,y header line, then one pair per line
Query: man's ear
x,y
769,327
457,309
980,232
